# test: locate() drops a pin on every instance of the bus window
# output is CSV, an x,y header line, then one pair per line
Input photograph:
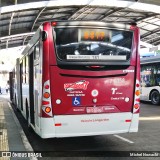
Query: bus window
x,y
36,52
93,44
158,75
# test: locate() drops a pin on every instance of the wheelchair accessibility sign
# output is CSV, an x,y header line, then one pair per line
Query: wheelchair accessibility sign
x,y
76,101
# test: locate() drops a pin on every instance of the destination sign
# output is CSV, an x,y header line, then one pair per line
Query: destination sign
x,y
94,35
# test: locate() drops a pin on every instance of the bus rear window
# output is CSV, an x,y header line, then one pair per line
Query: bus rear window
x,y
82,44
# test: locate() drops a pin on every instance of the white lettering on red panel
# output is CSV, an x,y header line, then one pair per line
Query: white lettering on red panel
x,y
80,85
128,71
114,90
116,81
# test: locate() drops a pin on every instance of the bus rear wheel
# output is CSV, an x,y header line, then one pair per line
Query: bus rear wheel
x,y
155,97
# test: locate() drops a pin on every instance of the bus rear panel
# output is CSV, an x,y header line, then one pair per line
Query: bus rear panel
x,y
93,79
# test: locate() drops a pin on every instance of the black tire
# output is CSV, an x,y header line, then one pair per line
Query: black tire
x,y
155,97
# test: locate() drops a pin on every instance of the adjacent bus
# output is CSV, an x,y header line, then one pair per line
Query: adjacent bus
x,y
80,78
150,79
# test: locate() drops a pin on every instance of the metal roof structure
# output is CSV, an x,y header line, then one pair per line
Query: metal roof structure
x,y
19,20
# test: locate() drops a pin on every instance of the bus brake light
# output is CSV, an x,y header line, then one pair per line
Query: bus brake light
x,y
136,105
46,86
58,124
53,23
128,120
137,85
138,100
46,100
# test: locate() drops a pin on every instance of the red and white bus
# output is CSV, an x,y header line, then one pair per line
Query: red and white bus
x,y
80,78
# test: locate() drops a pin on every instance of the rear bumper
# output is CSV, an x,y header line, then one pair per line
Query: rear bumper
x,y
87,125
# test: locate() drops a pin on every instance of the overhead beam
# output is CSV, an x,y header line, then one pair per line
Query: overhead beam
x,y
144,29
150,32
146,17
125,16
153,39
72,15
10,24
156,41
79,10
84,12
16,35
151,23
105,3
109,13
70,10
37,18
147,45
21,22
24,40
41,20
22,16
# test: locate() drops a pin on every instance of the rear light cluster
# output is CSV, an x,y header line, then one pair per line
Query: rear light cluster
x,y
46,100
54,24
137,97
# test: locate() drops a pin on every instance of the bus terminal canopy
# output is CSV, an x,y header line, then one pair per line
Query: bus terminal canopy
x,y
19,20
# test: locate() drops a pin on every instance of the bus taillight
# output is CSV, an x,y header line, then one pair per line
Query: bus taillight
x,y
46,100
136,98
46,87
128,120
53,23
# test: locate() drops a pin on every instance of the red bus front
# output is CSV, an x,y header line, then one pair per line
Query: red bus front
x,y
91,70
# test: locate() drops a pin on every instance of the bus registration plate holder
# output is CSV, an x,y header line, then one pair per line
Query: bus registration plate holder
x,y
94,109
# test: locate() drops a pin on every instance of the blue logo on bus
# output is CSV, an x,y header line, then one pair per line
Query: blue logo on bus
x,y
76,101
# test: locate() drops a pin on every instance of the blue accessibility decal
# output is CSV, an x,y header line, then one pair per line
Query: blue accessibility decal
x,y
76,101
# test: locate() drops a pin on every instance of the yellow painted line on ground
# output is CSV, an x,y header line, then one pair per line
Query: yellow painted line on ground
x,y
3,133
149,118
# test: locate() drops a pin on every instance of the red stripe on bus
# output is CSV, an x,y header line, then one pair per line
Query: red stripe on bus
x,y
45,102
128,120
58,124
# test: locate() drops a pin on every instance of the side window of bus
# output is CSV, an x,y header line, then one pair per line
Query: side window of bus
x,y
36,58
158,75
149,76
21,71
27,70
24,70
145,72
36,52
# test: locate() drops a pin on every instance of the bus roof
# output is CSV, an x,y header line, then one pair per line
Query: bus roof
x,y
93,23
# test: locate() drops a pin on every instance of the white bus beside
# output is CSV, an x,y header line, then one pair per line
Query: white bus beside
x,y
150,79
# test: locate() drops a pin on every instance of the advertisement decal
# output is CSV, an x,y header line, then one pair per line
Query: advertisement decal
x,y
79,85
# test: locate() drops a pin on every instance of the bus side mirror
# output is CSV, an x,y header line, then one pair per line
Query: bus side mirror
x,y
44,35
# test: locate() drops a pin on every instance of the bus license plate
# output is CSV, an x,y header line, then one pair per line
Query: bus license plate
x,y
94,109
